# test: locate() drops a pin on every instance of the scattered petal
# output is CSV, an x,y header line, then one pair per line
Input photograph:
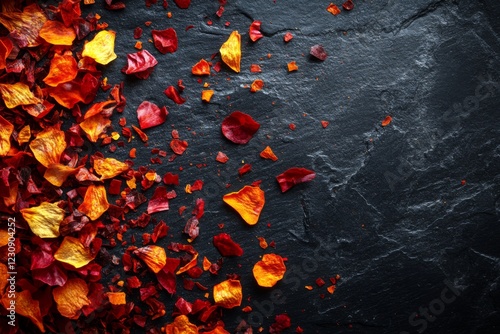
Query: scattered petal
x,y
109,167
48,146
206,95
226,245
44,220
101,48
56,33
288,37
319,52
239,127
269,270
26,306
292,66
228,294
117,298
73,252
154,257
387,121
24,26
173,94
268,153
231,51
17,94
6,129
293,176
95,202
254,31
140,64
165,40
201,68
62,69
181,323
333,9
248,202
71,297
256,85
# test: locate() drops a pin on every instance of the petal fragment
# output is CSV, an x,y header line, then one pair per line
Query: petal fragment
x,y
95,202
269,270
71,297
48,146
73,252
56,33
293,176
101,48
27,307
17,94
109,167
228,294
239,127
231,51
182,325
62,69
154,256
6,129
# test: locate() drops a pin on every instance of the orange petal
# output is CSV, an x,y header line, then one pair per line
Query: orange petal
x,y
97,108
4,240
17,94
62,69
218,330
6,129
191,264
58,173
248,202
73,252
201,68
154,257
101,48
206,263
44,220
24,135
292,66
94,126
3,274
333,9
48,146
26,306
56,33
231,51
71,297
117,298
268,153
269,270
95,202
109,167
25,26
181,325
256,85
206,95
387,121
6,47
228,294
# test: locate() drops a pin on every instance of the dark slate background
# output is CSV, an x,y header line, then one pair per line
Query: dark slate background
x,y
387,210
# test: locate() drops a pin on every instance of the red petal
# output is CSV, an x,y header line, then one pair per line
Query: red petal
x,y
159,201
173,94
165,40
149,115
239,127
141,64
182,4
318,51
293,176
254,31
226,246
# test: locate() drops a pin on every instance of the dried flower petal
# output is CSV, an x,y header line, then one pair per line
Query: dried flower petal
x,y
58,173
154,257
226,245
101,48
71,297
288,37
62,69
222,157
292,66
333,9
182,4
318,51
94,126
228,294
159,200
254,31
109,167
17,94
239,127
140,64
56,33
206,95
117,298
178,146
48,146
6,47
201,68
256,85
165,40
6,129
231,51
95,202
387,121
150,115
248,202
180,325
269,270
44,220
293,176
173,94
348,5
73,252
268,153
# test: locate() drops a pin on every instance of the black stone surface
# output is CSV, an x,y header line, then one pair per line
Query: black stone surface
x,y
387,210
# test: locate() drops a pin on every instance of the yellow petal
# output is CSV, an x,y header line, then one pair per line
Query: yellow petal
x,y
58,173
95,202
231,51
55,32
101,48
25,25
109,167
6,129
18,94
26,306
73,252
44,220
48,146
71,297
24,135
228,294
248,202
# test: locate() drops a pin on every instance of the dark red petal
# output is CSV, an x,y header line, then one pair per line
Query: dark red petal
x,y
239,127
318,51
159,201
293,176
226,246
182,4
140,64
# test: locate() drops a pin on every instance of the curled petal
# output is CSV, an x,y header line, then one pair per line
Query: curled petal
x,y
109,167
228,294
24,26
165,40
268,153
248,202
44,220
293,176
201,68
26,306
231,51
71,297
95,202
173,94
101,48
239,127
140,64
150,115
269,270
94,126
48,146
58,173
62,69
154,257
254,31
